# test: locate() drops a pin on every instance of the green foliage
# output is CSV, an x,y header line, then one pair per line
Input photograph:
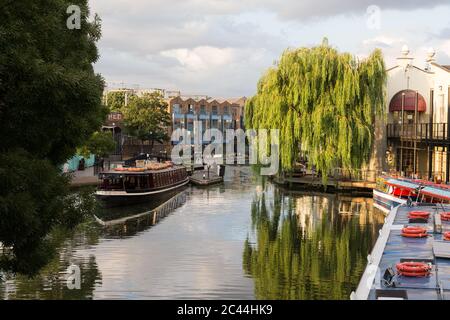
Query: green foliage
x,y
147,117
50,103
324,102
34,198
116,100
50,97
101,143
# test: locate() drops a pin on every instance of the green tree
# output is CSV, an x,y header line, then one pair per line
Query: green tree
x,y
50,104
101,144
324,102
116,100
147,118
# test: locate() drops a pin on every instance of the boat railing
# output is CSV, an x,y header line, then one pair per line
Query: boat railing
x,y
373,260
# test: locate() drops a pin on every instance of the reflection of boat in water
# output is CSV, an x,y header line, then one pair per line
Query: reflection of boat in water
x,y
132,219
125,186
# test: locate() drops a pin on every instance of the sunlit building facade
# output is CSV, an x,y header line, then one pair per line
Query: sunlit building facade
x,y
416,138
212,113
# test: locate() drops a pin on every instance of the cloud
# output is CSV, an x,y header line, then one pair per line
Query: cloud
x,y
305,10
444,33
201,58
221,47
383,41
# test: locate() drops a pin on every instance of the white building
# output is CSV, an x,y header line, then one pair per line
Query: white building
x,y
416,135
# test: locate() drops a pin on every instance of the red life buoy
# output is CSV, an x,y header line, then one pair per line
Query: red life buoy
x,y
414,232
447,236
445,216
419,215
413,269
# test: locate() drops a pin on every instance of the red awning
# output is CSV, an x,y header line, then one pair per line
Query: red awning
x,y
410,102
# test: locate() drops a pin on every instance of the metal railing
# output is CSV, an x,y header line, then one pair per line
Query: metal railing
x,y
420,131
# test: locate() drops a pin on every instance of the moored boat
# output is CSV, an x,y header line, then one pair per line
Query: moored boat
x,y
410,259
125,186
391,193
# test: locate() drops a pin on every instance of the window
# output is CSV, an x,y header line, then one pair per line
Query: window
x,y
225,110
143,182
204,124
177,124
190,108
214,110
190,125
203,109
176,108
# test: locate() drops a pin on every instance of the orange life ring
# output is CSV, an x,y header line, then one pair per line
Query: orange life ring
x,y
419,215
413,269
447,236
120,169
414,232
136,169
445,216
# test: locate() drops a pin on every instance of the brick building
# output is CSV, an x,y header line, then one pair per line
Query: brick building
x,y
218,113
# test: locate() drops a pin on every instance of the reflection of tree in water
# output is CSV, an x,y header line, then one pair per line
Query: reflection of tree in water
x,y
27,252
50,281
291,261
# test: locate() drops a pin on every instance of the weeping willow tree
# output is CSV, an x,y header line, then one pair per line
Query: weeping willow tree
x,y
323,102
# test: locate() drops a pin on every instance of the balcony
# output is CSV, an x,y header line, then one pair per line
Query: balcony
x,y
418,132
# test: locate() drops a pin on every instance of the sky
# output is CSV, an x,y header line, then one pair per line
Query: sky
x,y
222,47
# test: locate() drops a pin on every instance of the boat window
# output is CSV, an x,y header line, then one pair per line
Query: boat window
x,y
130,182
143,182
157,180
112,183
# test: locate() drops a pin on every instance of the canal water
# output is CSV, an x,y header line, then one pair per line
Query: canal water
x,y
245,239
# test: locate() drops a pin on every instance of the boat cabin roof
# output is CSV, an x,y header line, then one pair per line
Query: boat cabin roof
x,y
402,184
436,193
133,173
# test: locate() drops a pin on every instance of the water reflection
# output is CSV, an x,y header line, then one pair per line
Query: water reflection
x,y
307,246
128,221
243,239
51,281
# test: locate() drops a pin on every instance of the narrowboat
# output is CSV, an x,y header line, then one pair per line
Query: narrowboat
x,y
127,186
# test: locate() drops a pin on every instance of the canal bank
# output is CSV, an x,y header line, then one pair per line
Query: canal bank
x,y
243,239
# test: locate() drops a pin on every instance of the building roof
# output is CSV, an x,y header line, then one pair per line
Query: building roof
x,y
445,68
220,100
